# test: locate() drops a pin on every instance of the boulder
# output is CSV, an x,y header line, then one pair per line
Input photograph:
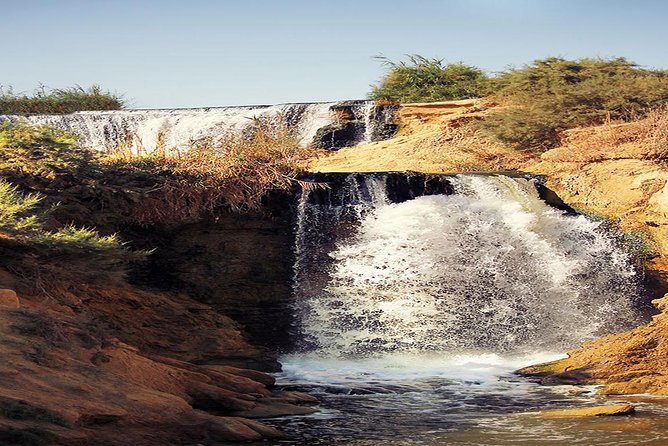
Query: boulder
x,y
338,135
593,411
9,299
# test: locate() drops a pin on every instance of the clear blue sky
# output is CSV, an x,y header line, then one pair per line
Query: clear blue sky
x,y
185,53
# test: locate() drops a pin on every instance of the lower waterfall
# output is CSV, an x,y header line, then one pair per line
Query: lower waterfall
x,y
491,268
417,297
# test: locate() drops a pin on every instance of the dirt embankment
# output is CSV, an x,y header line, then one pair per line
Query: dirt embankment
x,y
433,138
149,360
617,171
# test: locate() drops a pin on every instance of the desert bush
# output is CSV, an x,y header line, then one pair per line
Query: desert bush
x,y
44,160
44,261
42,152
425,80
59,100
21,225
542,99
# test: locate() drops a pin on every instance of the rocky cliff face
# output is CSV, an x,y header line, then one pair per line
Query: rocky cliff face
x,y
616,171
609,171
155,357
240,265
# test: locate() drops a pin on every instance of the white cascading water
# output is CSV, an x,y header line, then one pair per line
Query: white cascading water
x,y
414,315
177,128
366,115
491,269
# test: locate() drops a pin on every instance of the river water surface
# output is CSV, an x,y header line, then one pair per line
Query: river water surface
x,y
464,400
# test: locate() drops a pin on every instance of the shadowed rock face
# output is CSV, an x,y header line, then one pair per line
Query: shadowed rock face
x,y
241,265
400,186
403,186
338,135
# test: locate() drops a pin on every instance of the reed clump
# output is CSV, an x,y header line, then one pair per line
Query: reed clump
x,y
59,100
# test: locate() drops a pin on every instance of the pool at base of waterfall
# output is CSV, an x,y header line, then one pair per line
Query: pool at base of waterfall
x,y
463,399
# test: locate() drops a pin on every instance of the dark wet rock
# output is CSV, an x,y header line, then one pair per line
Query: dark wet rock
x,y
338,135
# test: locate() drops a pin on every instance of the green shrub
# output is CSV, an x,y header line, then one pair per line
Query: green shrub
x,y
551,95
15,207
61,100
40,158
425,80
21,224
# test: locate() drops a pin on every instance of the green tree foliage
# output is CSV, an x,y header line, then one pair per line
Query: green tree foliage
x,y
551,95
60,100
425,80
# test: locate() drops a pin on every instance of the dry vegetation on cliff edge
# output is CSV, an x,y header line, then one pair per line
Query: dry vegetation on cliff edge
x,y
236,173
164,186
47,182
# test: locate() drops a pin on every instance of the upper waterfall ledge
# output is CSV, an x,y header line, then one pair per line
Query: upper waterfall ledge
x,y
328,125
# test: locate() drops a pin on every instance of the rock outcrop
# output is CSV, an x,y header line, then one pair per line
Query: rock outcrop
x,y
356,121
432,138
591,411
9,299
155,367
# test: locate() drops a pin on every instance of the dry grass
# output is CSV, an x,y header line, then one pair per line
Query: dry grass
x,y
235,173
655,133
644,138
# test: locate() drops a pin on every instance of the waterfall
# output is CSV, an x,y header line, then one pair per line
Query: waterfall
x,y
487,268
366,116
177,128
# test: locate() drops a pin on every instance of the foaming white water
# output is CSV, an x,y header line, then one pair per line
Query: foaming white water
x,y
177,128
484,368
490,269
